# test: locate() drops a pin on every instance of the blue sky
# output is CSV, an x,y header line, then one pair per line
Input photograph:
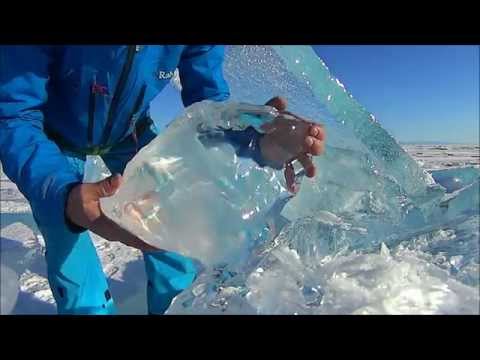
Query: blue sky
x,y
418,93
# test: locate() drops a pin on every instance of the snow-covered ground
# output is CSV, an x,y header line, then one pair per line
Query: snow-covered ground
x,y
22,249
434,157
24,284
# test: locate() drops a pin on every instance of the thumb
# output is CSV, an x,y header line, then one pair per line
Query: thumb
x,y
107,187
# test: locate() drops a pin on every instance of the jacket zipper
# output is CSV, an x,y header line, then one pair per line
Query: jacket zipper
x,y
127,66
91,114
136,108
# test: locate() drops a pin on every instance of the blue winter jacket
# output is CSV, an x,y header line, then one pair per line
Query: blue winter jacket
x,y
87,97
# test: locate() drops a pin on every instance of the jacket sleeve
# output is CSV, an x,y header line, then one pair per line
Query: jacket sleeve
x,y
33,162
201,74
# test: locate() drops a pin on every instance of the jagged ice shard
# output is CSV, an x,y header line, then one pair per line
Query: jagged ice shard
x,y
371,233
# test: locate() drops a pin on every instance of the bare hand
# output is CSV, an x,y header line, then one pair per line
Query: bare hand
x,y
289,137
83,209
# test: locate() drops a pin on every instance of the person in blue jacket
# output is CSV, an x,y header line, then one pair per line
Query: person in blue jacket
x,y
59,104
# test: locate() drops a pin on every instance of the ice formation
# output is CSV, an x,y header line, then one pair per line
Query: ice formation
x,y
455,179
372,233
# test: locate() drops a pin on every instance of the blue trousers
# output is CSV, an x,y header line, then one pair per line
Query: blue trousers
x,y
75,273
